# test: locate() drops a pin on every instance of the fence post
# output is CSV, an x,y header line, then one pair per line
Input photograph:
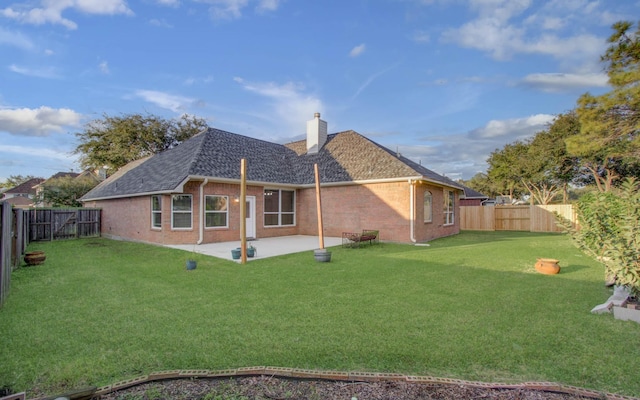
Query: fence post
x,y
6,223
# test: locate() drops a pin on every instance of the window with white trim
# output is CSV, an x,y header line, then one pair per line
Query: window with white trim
x,y
279,207
181,211
216,211
156,211
428,206
449,203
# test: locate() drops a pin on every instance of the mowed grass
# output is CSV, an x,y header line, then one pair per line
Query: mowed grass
x,y
470,306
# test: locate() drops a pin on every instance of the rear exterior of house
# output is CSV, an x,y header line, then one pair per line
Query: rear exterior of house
x,y
190,194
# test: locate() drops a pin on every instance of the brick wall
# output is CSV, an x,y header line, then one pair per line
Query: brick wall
x,y
381,206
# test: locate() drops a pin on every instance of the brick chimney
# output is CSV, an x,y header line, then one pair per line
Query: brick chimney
x,y
316,134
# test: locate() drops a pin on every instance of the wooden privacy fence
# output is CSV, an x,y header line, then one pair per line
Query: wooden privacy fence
x,y
18,227
61,223
537,218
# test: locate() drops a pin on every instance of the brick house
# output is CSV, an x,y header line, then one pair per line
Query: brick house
x,y
190,193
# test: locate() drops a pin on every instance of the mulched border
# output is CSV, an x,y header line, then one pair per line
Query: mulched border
x,y
280,372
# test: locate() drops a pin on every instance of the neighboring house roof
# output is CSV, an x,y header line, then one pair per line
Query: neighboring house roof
x,y
27,187
64,175
19,201
346,157
472,194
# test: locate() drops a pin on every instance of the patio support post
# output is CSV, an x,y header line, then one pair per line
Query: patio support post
x,y
243,211
319,205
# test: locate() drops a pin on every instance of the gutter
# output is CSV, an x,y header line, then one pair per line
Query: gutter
x,y
201,213
412,212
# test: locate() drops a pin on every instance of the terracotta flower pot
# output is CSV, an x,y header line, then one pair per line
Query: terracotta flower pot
x,y
547,266
34,257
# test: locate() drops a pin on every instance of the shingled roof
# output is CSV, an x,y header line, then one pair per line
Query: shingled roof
x,y
215,154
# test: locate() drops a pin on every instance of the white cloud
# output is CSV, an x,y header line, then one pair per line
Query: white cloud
x,y
37,122
171,3
232,9
514,129
421,37
104,67
165,100
15,39
290,104
36,152
47,73
268,5
561,82
161,23
227,9
358,50
502,29
51,11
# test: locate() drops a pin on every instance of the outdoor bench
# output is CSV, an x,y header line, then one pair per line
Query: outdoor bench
x,y
351,239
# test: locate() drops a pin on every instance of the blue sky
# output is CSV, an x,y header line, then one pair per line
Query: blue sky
x,y
445,82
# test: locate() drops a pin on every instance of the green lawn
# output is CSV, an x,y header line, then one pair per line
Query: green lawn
x,y
469,307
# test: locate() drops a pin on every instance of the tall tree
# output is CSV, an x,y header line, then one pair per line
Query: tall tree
x,y
65,191
548,168
609,140
116,141
504,170
481,183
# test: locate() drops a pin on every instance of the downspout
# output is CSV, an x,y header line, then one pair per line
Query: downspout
x,y
412,212
201,213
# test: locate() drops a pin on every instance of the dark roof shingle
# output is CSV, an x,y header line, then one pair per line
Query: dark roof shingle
x,y
346,157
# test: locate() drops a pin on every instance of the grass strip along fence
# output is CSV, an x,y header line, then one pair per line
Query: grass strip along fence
x,y
469,307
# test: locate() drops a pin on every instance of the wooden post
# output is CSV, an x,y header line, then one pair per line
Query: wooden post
x,y
243,211
319,205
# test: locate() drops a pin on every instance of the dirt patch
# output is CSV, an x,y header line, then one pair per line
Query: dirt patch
x,y
272,388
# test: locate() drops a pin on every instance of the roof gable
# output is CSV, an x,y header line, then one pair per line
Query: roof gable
x,y
27,187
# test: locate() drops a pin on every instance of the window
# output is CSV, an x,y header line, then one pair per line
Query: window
x,y
156,211
216,211
279,207
448,207
181,211
428,206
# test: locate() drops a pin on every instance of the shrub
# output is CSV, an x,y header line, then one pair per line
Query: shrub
x,y
610,232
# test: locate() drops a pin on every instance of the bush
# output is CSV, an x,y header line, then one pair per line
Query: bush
x,y
610,232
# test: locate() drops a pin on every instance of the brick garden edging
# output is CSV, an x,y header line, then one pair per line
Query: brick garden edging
x,y
280,372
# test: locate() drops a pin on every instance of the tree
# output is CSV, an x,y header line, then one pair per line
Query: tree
x,y
481,183
65,191
116,141
15,180
609,141
547,168
504,171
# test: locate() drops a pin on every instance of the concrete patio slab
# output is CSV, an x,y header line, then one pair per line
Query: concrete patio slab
x,y
267,247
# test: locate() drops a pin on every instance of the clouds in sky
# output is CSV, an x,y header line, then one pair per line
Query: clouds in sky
x,y
290,103
453,80
501,30
40,121
175,103
358,50
50,11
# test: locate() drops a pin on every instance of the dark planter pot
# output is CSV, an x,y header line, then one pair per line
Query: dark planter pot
x,y
322,255
235,253
251,252
191,264
34,257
